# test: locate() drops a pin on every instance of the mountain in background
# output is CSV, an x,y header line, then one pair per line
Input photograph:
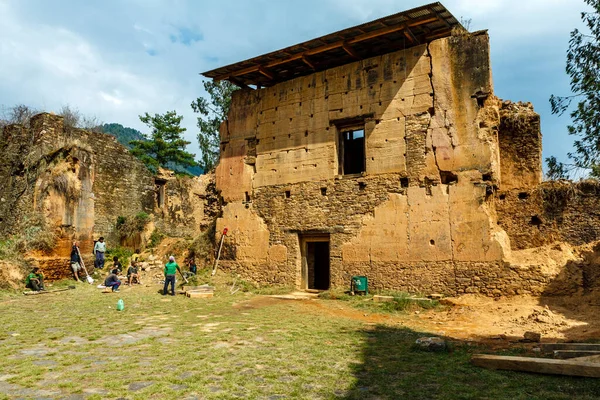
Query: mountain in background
x,y
125,135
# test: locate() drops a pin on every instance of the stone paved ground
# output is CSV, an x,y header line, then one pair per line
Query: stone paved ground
x,y
76,345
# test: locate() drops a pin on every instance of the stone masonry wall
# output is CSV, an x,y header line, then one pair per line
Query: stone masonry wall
x,y
420,217
552,212
80,182
520,141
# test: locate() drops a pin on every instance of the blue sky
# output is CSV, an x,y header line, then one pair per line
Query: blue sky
x,y
118,59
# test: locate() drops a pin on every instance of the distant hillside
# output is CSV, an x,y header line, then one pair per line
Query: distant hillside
x,y
125,135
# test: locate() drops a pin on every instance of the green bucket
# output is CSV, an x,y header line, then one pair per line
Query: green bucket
x,y
359,284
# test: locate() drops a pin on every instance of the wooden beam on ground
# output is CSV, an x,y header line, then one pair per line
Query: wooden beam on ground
x,y
592,359
568,354
550,347
538,365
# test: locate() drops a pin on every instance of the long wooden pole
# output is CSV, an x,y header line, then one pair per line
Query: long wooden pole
x,y
214,271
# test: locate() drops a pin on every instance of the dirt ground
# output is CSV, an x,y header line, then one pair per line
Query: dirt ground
x,y
483,319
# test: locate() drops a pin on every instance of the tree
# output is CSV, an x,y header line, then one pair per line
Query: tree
x,y
212,113
18,114
165,144
555,169
583,68
73,118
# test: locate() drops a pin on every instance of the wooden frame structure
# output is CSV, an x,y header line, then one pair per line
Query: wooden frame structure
x,y
385,35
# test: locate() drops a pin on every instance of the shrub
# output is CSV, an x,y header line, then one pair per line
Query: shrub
x,y
132,226
123,254
155,238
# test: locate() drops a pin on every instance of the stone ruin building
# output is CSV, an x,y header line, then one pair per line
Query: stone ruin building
x,y
78,183
380,150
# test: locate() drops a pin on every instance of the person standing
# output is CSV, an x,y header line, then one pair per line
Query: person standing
x,y
76,264
170,269
99,250
35,280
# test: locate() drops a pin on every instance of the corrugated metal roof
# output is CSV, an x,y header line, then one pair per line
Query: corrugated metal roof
x,y
392,33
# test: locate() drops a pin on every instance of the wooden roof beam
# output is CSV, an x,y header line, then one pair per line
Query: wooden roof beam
x,y
410,36
321,49
268,74
307,62
350,51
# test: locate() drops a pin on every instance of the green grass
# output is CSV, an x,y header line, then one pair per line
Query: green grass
x,y
235,346
402,303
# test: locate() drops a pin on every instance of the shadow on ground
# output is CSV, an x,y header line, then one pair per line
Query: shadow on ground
x,y
392,366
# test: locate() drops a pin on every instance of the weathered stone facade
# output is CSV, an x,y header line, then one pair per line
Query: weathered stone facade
x,y
420,216
79,182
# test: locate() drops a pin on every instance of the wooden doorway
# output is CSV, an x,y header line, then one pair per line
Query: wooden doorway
x,y
315,262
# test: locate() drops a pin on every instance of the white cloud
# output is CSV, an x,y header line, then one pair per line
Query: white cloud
x,y
116,60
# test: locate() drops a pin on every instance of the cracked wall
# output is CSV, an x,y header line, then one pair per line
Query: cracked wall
x,y
419,216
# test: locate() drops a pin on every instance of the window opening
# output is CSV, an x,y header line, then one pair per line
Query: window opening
x,y
352,151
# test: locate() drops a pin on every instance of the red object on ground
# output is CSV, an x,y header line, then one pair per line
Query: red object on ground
x,y
225,231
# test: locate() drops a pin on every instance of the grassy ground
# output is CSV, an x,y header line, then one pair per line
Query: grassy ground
x,y
74,344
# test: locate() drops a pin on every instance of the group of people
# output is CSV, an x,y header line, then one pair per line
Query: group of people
x,y
35,280
133,273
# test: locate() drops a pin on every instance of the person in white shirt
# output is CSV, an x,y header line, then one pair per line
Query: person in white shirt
x,y
99,250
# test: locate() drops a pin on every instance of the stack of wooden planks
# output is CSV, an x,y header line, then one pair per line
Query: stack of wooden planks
x,y
201,292
573,359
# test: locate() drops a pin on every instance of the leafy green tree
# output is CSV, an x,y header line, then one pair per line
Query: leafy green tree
x,y
555,169
212,113
583,68
165,144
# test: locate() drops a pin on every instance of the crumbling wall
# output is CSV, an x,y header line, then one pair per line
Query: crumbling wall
x,y
520,142
419,218
551,212
80,182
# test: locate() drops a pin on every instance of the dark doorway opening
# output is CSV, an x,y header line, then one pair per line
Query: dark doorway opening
x,y
315,262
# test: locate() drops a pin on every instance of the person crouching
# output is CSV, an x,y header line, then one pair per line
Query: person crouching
x,y
35,280
112,281
133,275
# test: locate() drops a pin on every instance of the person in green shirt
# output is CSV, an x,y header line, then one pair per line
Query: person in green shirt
x,y
170,269
35,280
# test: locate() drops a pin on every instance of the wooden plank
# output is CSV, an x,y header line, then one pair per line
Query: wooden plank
x,y
593,359
538,365
550,347
31,293
567,354
200,295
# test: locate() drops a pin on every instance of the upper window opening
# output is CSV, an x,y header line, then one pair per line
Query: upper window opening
x,y
352,151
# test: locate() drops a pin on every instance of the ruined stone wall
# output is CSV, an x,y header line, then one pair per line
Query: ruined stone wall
x,y
520,142
419,218
79,182
552,212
